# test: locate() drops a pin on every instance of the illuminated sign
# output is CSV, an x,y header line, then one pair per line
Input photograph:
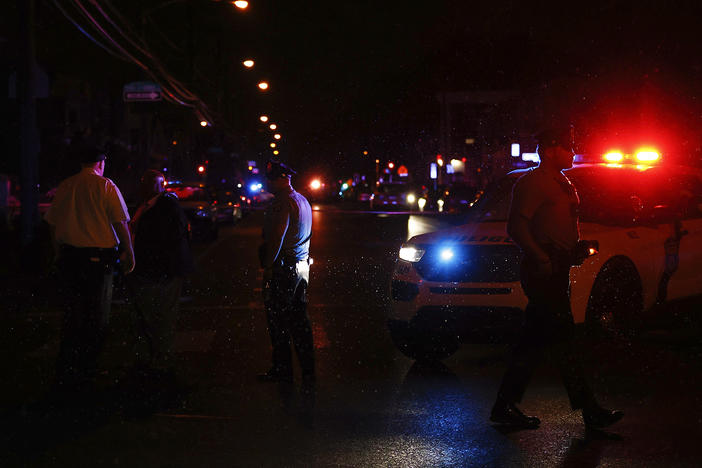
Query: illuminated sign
x,y
515,150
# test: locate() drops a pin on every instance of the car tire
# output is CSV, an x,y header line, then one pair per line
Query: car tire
x,y
616,301
422,344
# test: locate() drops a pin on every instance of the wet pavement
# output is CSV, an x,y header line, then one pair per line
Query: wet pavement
x,y
371,406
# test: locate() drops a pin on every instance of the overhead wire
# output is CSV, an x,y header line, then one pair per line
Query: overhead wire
x,y
173,90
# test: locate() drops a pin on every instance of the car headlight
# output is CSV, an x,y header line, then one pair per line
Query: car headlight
x,y
411,253
411,198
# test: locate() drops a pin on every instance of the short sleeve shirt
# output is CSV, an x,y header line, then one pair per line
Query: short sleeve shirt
x,y
83,210
550,202
293,208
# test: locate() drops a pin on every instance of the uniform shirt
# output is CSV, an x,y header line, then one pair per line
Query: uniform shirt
x,y
291,211
550,202
84,208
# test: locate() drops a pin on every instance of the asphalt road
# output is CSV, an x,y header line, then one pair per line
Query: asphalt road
x,y
371,406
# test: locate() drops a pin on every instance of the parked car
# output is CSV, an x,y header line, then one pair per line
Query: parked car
x,y
462,283
199,205
230,204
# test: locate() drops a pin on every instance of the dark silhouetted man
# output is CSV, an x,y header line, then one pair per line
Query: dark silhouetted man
x,y
543,222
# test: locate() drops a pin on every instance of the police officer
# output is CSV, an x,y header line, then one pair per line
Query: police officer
x,y
543,222
88,220
285,260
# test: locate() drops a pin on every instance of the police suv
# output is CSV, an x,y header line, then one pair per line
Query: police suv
x,y
462,284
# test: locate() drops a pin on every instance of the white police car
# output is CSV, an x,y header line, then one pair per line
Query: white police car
x,y
462,284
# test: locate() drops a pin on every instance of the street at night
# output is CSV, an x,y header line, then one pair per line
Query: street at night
x,y
358,234
372,406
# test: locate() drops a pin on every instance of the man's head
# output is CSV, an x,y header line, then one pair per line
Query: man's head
x,y
90,156
152,183
555,146
278,174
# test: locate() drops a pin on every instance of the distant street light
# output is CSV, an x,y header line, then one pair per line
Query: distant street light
x,y
263,86
241,4
272,126
201,169
276,152
248,63
272,145
264,118
277,136
204,123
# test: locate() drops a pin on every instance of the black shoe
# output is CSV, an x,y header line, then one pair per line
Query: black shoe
x,y
598,417
275,376
509,414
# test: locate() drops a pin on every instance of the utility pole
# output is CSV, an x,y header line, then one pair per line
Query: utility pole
x,y
29,136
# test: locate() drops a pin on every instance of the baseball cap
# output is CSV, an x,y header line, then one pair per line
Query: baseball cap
x,y
275,168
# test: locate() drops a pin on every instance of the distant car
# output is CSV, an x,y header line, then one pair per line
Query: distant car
x,y
462,283
457,198
199,205
230,205
393,197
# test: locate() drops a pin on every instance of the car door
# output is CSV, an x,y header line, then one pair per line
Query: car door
x,y
681,220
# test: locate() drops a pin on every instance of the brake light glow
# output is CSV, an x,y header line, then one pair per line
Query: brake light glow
x,y
647,155
613,157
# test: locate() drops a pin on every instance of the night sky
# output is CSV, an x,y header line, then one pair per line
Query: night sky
x,y
350,76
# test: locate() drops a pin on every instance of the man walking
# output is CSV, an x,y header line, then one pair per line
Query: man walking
x,y
543,222
285,258
88,220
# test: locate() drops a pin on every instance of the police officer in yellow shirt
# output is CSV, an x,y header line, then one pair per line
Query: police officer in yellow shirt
x,y
543,222
88,220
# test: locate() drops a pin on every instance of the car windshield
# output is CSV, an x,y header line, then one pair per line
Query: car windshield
x,y
189,193
493,205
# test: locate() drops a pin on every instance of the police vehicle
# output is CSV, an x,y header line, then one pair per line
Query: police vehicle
x,y
462,284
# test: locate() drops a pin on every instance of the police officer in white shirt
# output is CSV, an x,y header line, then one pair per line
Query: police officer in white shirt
x,y
543,222
88,220
285,258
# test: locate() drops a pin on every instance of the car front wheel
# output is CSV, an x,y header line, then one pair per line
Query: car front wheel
x,y
616,300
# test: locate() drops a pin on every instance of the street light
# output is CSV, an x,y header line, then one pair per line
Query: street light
x,y
277,136
272,126
248,63
263,86
241,4
264,118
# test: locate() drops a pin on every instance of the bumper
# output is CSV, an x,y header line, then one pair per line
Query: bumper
x,y
474,311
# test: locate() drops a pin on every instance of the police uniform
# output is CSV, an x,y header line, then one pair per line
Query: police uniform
x,y
82,213
548,202
285,257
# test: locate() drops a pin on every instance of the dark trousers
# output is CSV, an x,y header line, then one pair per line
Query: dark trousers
x,y
86,291
548,327
157,303
285,299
